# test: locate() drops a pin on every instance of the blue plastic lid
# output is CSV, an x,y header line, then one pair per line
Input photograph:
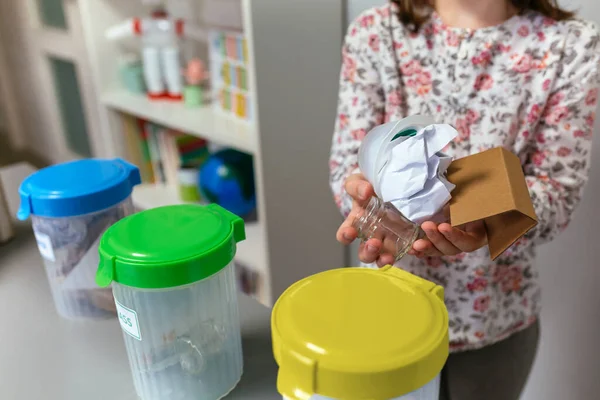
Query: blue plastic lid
x,y
77,187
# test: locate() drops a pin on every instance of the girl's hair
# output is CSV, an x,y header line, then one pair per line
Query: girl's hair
x,y
414,12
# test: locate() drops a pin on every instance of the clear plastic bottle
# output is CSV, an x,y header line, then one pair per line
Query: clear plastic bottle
x,y
384,222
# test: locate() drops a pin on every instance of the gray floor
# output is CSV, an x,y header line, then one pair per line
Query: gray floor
x,y
44,356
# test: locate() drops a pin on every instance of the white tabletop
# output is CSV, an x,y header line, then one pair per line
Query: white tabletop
x,y
45,357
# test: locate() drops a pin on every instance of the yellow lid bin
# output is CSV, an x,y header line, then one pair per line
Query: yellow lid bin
x,y
360,334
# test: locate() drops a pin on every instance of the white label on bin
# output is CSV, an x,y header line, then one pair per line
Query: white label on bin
x,y
45,245
128,320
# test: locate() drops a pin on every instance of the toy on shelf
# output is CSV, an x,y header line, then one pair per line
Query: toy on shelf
x,y
229,73
195,75
227,178
160,50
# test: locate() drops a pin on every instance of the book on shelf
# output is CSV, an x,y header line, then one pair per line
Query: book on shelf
x,y
145,150
135,148
192,150
159,152
152,133
170,156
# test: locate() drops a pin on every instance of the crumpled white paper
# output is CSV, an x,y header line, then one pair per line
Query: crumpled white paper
x,y
414,179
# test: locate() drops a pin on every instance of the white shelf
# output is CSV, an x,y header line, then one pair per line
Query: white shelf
x,y
250,252
206,122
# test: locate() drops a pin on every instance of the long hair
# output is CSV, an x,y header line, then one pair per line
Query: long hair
x,y
414,12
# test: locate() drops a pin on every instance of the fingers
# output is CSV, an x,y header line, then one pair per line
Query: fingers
x,y
385,259
424,247
346,233
368,251
359,189
371,251
471,239
413,252
439,241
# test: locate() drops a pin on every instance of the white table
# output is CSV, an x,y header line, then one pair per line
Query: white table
x,y
43,357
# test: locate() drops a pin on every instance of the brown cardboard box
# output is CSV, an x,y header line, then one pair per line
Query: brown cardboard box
x,y
490,186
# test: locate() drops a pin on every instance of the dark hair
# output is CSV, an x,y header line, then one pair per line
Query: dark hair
x,y
414,12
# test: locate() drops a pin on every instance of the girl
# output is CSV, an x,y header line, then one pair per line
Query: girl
x,y
522,74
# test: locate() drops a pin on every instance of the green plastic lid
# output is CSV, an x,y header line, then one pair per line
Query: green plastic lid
x,y
169,246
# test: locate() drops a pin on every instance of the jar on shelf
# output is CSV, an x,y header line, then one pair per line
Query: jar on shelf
x,y
383,221
131,73
189,190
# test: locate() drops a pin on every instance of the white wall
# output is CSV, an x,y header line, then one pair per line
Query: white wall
x,y
568,363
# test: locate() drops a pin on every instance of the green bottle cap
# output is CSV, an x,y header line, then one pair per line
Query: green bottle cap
x,y
169,246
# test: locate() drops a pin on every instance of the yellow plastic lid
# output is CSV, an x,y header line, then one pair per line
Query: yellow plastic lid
x,y
358,333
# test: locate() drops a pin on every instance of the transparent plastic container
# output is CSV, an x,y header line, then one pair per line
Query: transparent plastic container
x,y
391,342
69,248
176,299
71,205
382,221
187,350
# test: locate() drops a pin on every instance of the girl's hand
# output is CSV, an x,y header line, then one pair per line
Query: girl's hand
x,y
445,240
361,192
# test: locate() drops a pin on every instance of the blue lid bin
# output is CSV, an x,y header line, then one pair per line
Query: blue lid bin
x,y
71,205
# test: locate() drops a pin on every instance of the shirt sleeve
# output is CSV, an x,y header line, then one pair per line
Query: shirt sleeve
x,y
558,164
361,105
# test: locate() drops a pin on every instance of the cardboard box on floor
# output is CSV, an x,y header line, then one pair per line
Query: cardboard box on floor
x,y
490,186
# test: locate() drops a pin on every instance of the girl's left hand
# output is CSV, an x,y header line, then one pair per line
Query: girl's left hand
x,y
445,240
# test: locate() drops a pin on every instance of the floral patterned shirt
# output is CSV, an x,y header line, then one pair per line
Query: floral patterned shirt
x,y
530,85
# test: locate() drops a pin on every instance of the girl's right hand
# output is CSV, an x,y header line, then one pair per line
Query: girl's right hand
x,y
361,192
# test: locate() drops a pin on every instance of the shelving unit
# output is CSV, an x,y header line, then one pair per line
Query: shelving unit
x,y
206,122
292,75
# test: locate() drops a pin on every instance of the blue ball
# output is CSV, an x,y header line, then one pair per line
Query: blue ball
x,y
227,178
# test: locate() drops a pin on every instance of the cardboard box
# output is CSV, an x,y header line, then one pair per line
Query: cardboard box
x,y
491,186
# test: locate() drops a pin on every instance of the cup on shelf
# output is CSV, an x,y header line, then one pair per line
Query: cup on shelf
x,y
360,333
71,205
131,72
173,278
193,95
189,190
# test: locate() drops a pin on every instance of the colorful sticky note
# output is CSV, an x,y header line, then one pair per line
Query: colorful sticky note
x,y
231,47
245,50
240,109
226,73
241,81
222,44
234,76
